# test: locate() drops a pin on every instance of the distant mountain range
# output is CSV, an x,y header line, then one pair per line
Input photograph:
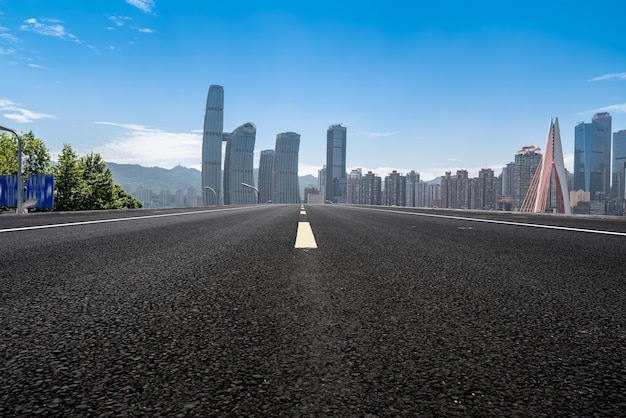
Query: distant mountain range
x,y
132,176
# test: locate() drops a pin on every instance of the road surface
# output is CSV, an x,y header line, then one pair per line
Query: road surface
x,y
215,312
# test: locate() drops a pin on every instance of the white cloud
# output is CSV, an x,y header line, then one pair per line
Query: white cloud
x,y
143,5
615,76
7,36
51,27
146,30
119,20
152,147
19,114
55,29
37,66
7,51
616,108
304,169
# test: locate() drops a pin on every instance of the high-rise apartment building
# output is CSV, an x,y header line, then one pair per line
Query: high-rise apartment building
x,y
371,189
238,166
395,189
285,186
619,159
592,155
412,188
507,183
485,190
336,176
212,146
526,162
266,164
456,190
354,186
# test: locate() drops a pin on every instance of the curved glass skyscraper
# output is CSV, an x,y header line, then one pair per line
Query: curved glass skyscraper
x,y
212,146
285,186
238,166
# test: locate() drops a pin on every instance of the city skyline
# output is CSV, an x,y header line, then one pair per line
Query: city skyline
x,y
431,87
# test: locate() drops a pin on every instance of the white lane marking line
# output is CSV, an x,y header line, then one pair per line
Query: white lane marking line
x,y
302,212
101,221
304,236
493,221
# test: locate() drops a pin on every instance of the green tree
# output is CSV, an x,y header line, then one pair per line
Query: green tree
x,y
99,181
35,155
69,186
86,183
8,153
125,200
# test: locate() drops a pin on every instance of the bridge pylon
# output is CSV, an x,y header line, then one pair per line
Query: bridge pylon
x,y
551,165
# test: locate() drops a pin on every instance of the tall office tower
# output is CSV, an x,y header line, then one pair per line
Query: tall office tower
x,y
592,155
526,162
619,158
212,146
371,189
395,189
550,167
412,188
266,165
354,186
238,166
336,139
285,186
485,190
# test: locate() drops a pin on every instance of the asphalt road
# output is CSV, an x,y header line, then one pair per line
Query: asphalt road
x,y
215,313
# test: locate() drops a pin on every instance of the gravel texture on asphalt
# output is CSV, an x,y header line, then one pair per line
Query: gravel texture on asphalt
x,y
217,314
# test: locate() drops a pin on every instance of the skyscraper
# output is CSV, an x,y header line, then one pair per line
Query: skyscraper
x,y
412,188
395,189
354,186
526,162
336,182
266,164
285,187
619,158
485,190
238,166
212,146
371,189
592,155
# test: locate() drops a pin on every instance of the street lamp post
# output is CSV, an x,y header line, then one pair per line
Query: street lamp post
x,y
20,185
214,192
258,194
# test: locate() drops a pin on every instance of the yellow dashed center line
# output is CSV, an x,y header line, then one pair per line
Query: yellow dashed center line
x,y
304,236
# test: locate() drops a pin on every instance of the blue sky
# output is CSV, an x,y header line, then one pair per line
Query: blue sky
x,y
420,85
